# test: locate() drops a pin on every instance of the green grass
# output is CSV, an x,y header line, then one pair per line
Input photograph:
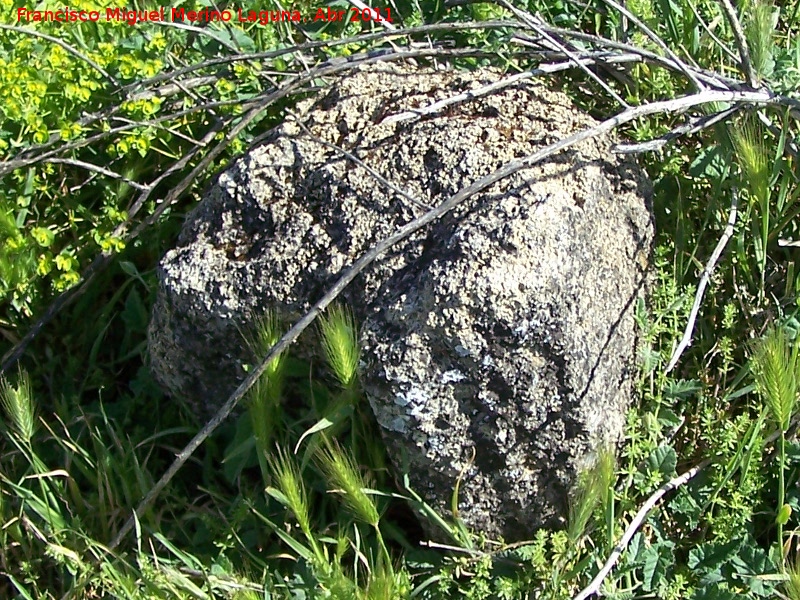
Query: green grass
x,y
294,497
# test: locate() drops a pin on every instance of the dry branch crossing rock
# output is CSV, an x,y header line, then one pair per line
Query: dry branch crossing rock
x,y
498,342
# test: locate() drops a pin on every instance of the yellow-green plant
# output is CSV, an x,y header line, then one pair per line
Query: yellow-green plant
x,y
290,490
776,367
19,407
792,583
760,22
339,337
753,157
265,396
345,477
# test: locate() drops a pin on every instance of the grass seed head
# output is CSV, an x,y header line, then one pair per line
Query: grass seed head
x,y
775,366
18,404
343,473
340,342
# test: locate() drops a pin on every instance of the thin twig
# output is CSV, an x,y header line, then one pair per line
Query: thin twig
x,y
708,78
658,42
170,89
355,40
536,25
789,146
101,170
594,587
172,196
102,260
741,43
328,68
686,340
373,12
593,58
436,107
705,26
693,126
403,232
198,31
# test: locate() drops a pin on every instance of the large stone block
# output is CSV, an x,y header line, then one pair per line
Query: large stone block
x,y
498,343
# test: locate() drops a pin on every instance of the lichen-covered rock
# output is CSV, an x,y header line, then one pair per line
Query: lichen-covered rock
x,y
498,343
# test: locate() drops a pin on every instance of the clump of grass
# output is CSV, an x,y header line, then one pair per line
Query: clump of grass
x,y
344,475
595,487
753,155
338,334
776,367
792,584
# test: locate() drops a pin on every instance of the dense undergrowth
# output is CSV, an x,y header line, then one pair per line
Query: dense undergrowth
x,y
293,498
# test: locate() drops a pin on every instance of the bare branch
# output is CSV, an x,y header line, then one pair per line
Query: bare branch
x,y
358,39
685,69
381,21
790,147
436,107
293,84
741,43
594,587
711,34
102,171
709,78
102,260
693,126
686,340
200,31
174,168
535,24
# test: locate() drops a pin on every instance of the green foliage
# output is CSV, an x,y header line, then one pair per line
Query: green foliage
x,y
54,218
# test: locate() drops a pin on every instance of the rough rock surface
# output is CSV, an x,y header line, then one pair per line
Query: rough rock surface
x,y
498,343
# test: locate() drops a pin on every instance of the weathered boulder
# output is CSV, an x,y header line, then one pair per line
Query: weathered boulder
x,y
498,343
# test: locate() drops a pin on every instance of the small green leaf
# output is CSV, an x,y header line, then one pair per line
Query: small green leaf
x,y
710,557
783,515
662,461
320,425
657,560
43,237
